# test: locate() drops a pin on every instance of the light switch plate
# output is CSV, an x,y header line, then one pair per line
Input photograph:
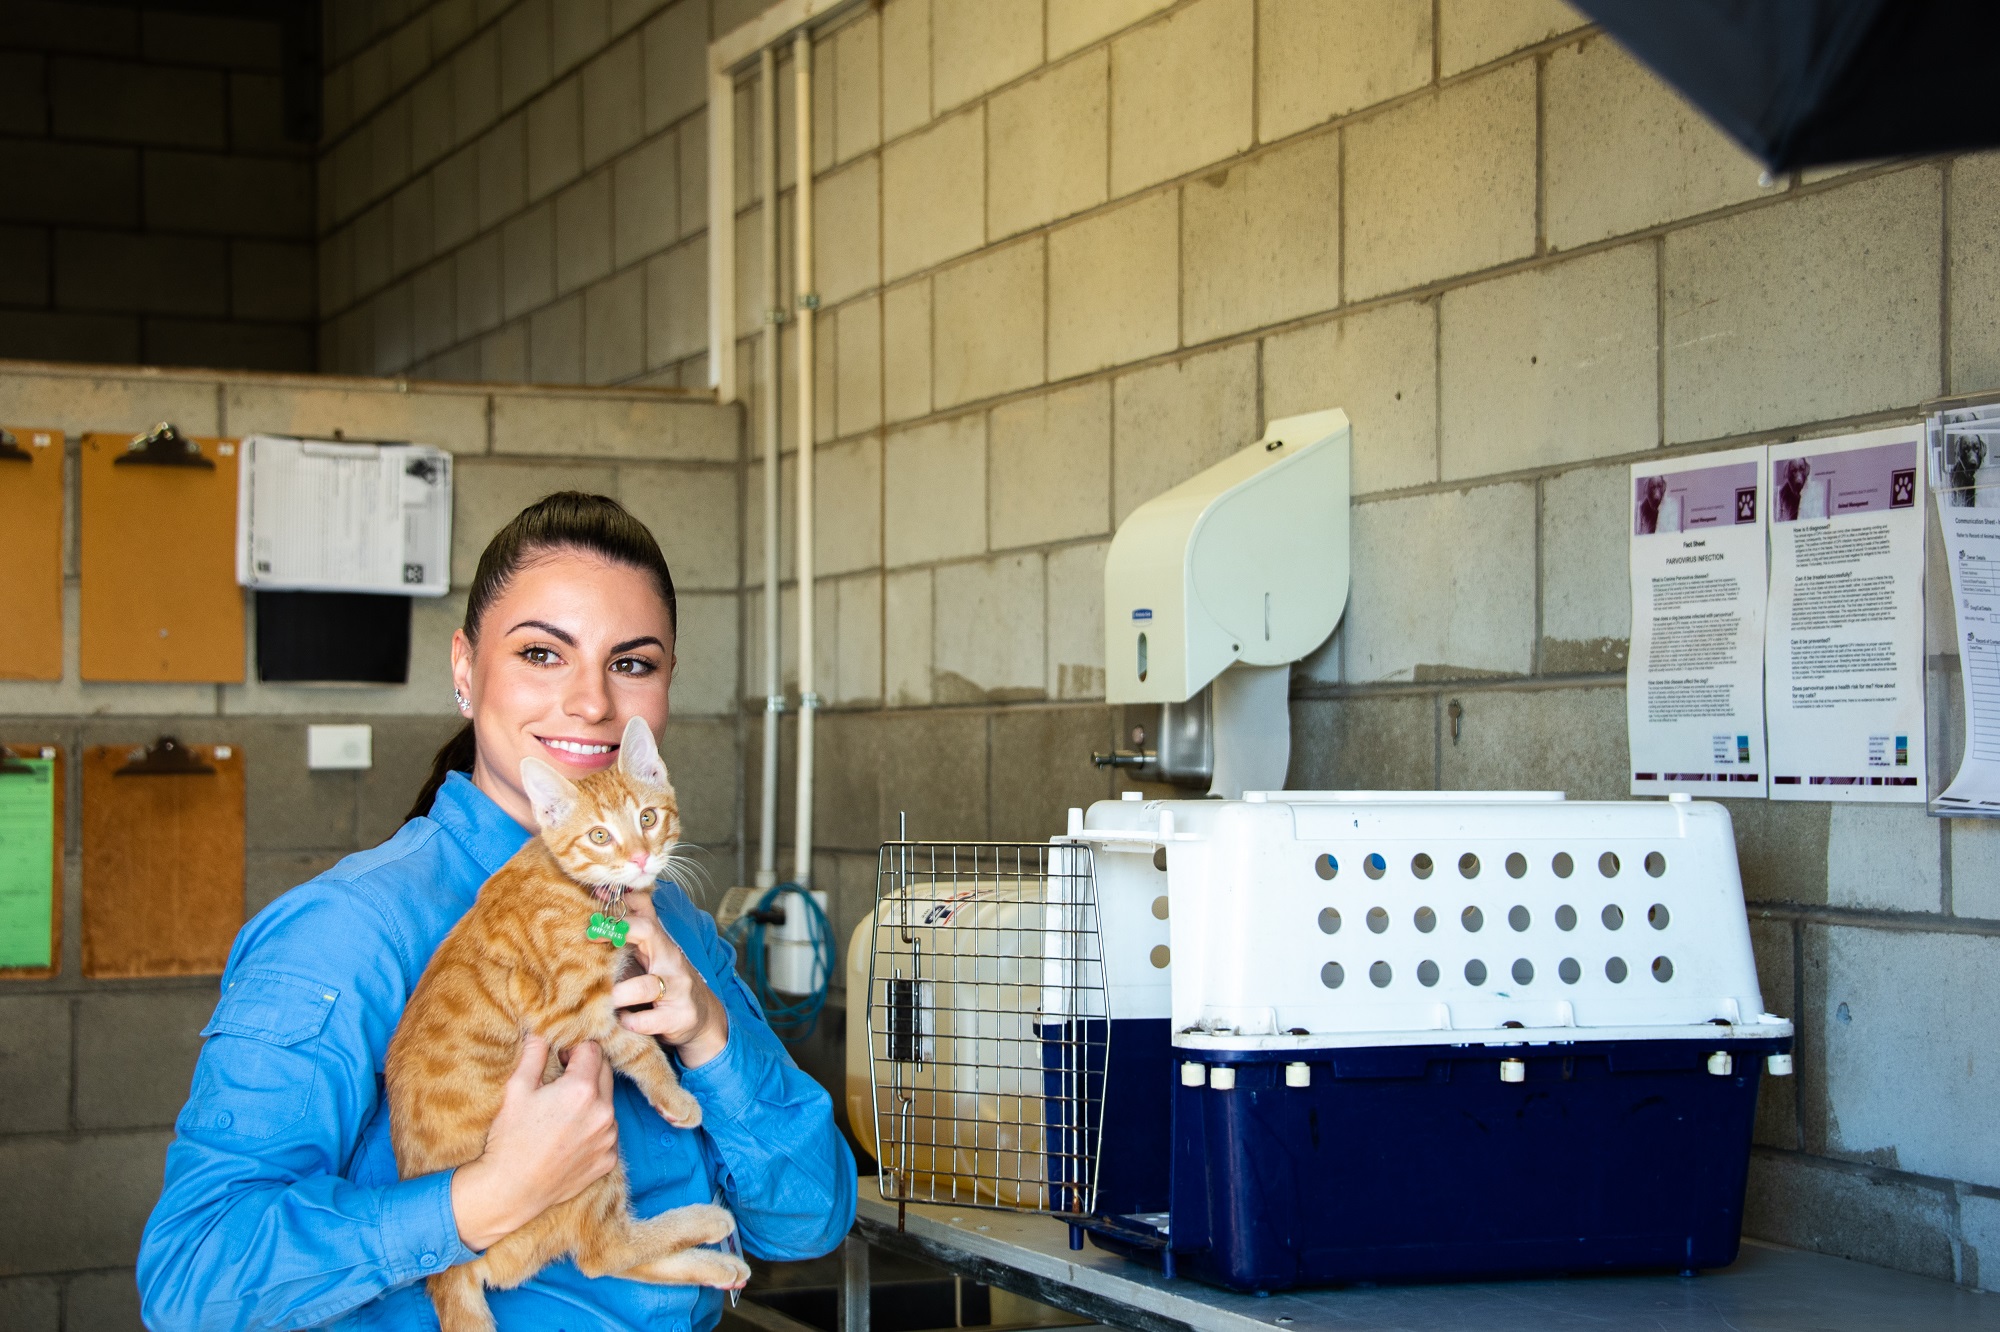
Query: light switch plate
x,y
337,747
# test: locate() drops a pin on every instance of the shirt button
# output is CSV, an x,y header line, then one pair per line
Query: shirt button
x,y
666,1139
427,1261
225,1119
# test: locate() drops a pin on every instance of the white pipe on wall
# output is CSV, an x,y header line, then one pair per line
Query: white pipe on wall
x,y
774,695
802,209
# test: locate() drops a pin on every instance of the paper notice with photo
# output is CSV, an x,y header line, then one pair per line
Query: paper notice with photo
x,y
329,516
1694,682
1964,470
1844,655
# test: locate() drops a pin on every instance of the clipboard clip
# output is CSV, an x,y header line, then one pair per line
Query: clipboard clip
x,y
11,451
163,446
13,767
165,757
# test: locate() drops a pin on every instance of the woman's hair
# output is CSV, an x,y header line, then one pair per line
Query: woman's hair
x,y
566,521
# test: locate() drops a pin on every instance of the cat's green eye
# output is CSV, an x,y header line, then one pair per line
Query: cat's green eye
x,y
648,817
600,835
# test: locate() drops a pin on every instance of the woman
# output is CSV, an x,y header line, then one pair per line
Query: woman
x,y
282,1206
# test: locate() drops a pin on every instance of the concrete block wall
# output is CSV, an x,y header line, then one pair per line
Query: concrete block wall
x,y
92,1073
159,200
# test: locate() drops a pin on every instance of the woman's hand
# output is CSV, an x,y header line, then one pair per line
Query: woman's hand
x,y
683,1011
547,1144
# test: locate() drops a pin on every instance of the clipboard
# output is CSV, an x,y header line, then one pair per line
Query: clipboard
x,y
160,601
31,505
13,759
162,858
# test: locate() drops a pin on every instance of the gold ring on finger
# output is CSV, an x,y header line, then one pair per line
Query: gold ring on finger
x,y
663,989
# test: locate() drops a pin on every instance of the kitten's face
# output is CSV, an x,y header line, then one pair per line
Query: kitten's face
x,y
615,828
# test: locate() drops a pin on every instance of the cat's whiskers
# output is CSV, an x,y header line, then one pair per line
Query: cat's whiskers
x,y
683,868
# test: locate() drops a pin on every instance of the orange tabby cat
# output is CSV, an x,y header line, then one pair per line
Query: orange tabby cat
x,y
519,961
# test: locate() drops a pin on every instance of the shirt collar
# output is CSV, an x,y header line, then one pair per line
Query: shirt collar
x,y
487,832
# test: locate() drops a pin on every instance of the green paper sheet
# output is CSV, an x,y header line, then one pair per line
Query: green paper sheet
x,y
27,863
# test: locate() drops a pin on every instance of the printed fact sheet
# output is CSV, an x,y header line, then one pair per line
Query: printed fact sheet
x,y
1967,486
1694,683
1844,655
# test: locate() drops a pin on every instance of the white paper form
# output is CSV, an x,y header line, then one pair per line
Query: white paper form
x,y
1844,654
325,516
1965,477
1694,682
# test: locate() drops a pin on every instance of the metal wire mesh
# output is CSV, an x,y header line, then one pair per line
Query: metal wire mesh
x,y
988,1030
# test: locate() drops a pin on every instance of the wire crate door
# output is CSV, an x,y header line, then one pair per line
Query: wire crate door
x,y
988,1025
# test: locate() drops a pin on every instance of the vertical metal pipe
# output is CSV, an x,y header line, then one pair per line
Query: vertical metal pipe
x,y
767,346
722,234
803,213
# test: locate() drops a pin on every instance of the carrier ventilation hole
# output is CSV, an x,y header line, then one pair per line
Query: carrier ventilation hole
x,y
1519,919
1613,917
1420,865
1615,971
1427,972
1656,864
1160,859
1374,866
1475,972
1161,956
1663,969
1570,972
1159,908
1381,975
1378,919
1425,920
1326,866
1472,918
1658,916
1563,865
1331,975
1517,865
1468,866
1607,865
1565,917
1524,971
1329,921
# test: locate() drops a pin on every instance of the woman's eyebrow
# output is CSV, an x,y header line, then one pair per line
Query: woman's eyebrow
x,y
546,628
631,643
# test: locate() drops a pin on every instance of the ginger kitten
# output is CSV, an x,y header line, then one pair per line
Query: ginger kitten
x,y
539,952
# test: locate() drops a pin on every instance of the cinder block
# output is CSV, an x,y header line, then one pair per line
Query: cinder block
x,y
583,232
503,355
528,261
1471,206
1048,146
526,42
555,142
1553,365
104,1299
1570,740
1773,942
24,266
1181,93
1975,290
634,425
450,419
269,875
257,117
934,491
475,85
934,194
1816,308
705,644
409,53
96,1193
1261,241
211,39
394,318
135,1054
33,335
677,302
432,133
404,750
857,674
750,298
1586,603
503,171
1975,872
1322,60
1071,27
847,231
98,401
478,270
1379,366
455,201
1076,621
1115,286
702,758
487,494
1781,849
1172,421
204,342
144,104
24,97
369,79
1038,767
847,506
614,328
977,45
68,182
613,102
1418,610
990,641
693,155
201,192
906,54
371,250
1885,857
451,21
857,87
49,25
1979,1234
98,270
906,638
1051,467
388,147
411,227
34,1063
645,211
858,365
1623,151
1472,32
582,28
31,1304
1365,743
555,343
906,351
990,313
1872,1216
676,63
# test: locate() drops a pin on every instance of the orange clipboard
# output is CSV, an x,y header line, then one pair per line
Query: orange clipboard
x,y
31,505
53,754
162,858
160,600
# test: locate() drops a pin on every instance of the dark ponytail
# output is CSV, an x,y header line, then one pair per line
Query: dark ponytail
x,y
567,520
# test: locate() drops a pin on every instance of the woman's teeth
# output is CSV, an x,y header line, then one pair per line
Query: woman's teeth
x,y
572,747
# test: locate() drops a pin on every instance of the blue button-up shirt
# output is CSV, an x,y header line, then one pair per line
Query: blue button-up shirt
x,y
282,1206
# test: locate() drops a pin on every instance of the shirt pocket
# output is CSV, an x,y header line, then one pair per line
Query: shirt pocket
x,y
260,1065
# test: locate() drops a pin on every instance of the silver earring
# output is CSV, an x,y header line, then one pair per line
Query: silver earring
x,y
464,703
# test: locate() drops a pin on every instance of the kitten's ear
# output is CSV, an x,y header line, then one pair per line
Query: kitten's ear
x,y
552,795
639,755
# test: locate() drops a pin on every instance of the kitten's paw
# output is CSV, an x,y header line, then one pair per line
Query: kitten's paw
x,y
705,1223
680,1109
724,1271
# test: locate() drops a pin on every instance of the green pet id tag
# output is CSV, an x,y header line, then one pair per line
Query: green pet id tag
x,y
603,929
